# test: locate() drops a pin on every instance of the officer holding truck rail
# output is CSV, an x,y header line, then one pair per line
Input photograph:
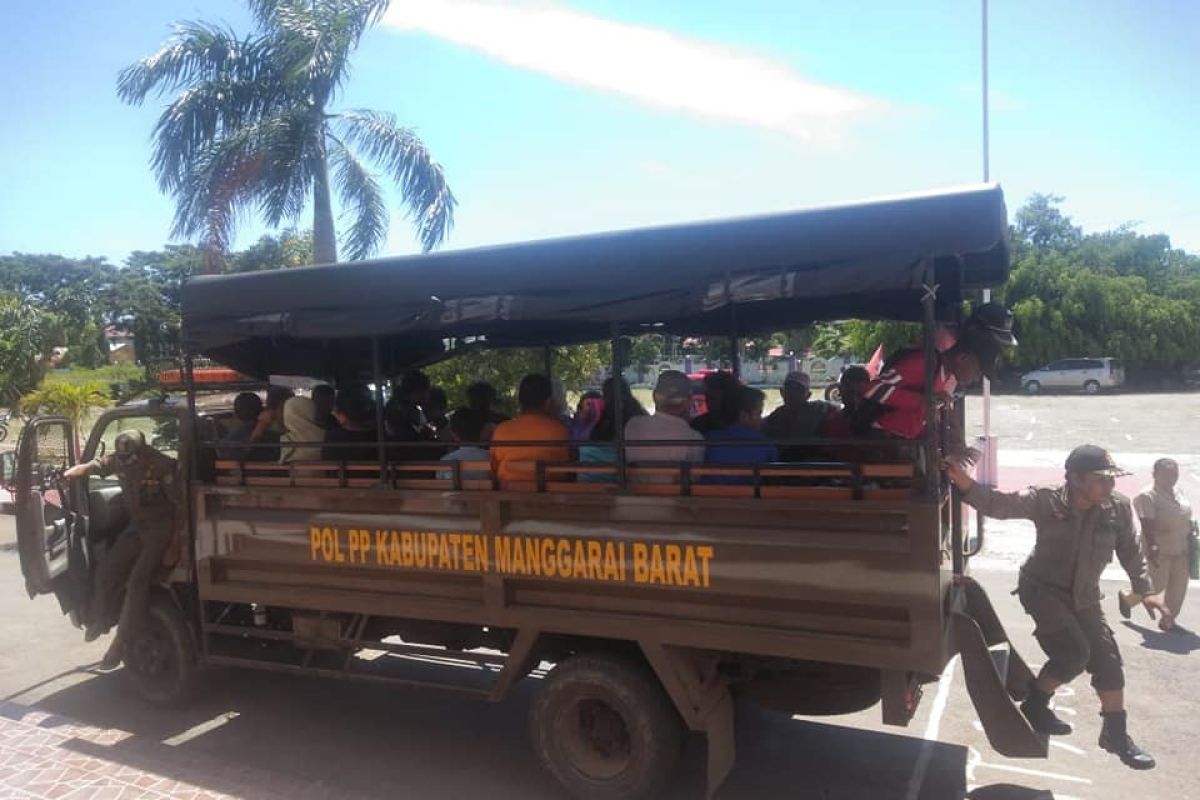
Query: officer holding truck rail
x,y
1079,525
150,486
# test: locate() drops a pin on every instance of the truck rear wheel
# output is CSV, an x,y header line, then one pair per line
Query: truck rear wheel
x,y
160,659
604,727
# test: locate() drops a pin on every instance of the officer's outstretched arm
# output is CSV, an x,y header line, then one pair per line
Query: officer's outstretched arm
x,y
1001,505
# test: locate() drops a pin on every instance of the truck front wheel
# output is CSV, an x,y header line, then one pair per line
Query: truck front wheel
x,y
604,727
160,659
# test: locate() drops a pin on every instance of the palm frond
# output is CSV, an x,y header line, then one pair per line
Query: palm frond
x,y
361,194
402,154
196,52
314,40
218,186
289,147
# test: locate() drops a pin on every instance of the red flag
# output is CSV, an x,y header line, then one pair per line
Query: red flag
x,y
876,362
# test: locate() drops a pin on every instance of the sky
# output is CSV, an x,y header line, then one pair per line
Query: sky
x,y
555,118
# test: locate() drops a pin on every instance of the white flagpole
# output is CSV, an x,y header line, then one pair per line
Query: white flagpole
x,y
989,461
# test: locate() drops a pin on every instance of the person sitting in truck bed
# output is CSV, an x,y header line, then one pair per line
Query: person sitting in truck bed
x,y
799,417
247,407
481,398
534,423
302,434
720,397
466,426
747,406
672,400
354,411
599,449
894,403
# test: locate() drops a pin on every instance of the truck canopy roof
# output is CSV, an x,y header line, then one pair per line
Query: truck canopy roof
x,y
750,275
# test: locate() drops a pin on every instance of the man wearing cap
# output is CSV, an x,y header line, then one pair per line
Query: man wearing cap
x,y
1079,525
669,422
798,418
149,486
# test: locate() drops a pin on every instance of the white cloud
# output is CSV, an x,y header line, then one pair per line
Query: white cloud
x,y
654,66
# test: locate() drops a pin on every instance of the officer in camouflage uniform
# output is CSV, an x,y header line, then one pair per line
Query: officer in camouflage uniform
x,y
150,486
1079,526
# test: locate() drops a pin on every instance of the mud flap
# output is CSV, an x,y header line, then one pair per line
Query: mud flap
x,y
702,700
996,674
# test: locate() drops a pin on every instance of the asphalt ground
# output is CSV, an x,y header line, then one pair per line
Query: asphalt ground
x,y
356,740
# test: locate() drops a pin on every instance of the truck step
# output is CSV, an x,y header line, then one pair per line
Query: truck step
x,y
1006,728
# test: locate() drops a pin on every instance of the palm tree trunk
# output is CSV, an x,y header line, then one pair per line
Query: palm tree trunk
x,y
324,235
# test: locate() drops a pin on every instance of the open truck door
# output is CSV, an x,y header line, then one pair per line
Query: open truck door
x,y
50,530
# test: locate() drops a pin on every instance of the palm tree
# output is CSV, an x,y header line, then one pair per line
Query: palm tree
x,y
73,401
251,130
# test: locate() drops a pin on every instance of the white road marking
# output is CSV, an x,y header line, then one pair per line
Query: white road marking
x,y
1070,748
1036,773
201,729
931,730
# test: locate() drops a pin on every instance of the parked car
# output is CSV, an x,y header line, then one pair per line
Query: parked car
x,y
1090,375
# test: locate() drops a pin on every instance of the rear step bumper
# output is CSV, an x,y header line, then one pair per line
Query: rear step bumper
x,y
997,677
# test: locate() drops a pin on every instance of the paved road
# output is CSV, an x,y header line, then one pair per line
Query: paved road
x,y
255,735
350,740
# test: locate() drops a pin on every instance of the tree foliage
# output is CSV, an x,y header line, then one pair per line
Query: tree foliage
x,y
73,401
250,130
25,336
578,367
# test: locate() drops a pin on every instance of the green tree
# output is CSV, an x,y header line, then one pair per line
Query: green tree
x,y
252,129
25,341
288,249
1042,225
73,401
646,352
577,366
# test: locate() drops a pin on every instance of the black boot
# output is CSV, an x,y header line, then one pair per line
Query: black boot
x,y
1036,709
1115,739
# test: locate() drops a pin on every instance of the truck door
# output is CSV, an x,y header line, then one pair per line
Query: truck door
x,y
50,531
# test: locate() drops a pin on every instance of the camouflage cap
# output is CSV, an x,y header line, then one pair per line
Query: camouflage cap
x,y
129,442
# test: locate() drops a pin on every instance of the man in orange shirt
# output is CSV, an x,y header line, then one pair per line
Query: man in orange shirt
x,y
535,423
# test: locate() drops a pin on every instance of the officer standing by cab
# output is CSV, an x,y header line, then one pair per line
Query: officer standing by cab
x,y
150,486
1079,525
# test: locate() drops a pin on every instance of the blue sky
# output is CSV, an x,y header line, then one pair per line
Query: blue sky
x,y
564,117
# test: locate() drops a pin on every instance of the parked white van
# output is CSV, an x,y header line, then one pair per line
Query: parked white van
x,y
1090,375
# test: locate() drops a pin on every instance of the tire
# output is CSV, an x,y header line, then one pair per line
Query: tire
x,y
833,393
1032,387
1092,387
160,662
3,432
605,729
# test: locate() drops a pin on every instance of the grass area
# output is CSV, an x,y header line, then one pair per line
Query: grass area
x,y
110,373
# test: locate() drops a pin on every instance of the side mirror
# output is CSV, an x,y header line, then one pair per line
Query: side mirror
x,y
101,448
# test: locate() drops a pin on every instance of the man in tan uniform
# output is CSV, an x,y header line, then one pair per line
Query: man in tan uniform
x,y
1079,525
150,486
1166,518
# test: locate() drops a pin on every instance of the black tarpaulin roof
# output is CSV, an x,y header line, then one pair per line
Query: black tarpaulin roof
x,y
752,275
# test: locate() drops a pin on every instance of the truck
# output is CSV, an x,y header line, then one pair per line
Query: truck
x,y
659,594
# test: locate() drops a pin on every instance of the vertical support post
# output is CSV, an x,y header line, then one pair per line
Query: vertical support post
x,y
930,444
957,528
377,379
618,367
735,359
547,361
193,442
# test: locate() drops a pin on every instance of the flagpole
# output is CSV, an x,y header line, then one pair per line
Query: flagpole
x,y
989,455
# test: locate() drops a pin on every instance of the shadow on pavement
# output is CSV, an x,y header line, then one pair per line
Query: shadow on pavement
x,y
1179,641
1007,791
362,740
